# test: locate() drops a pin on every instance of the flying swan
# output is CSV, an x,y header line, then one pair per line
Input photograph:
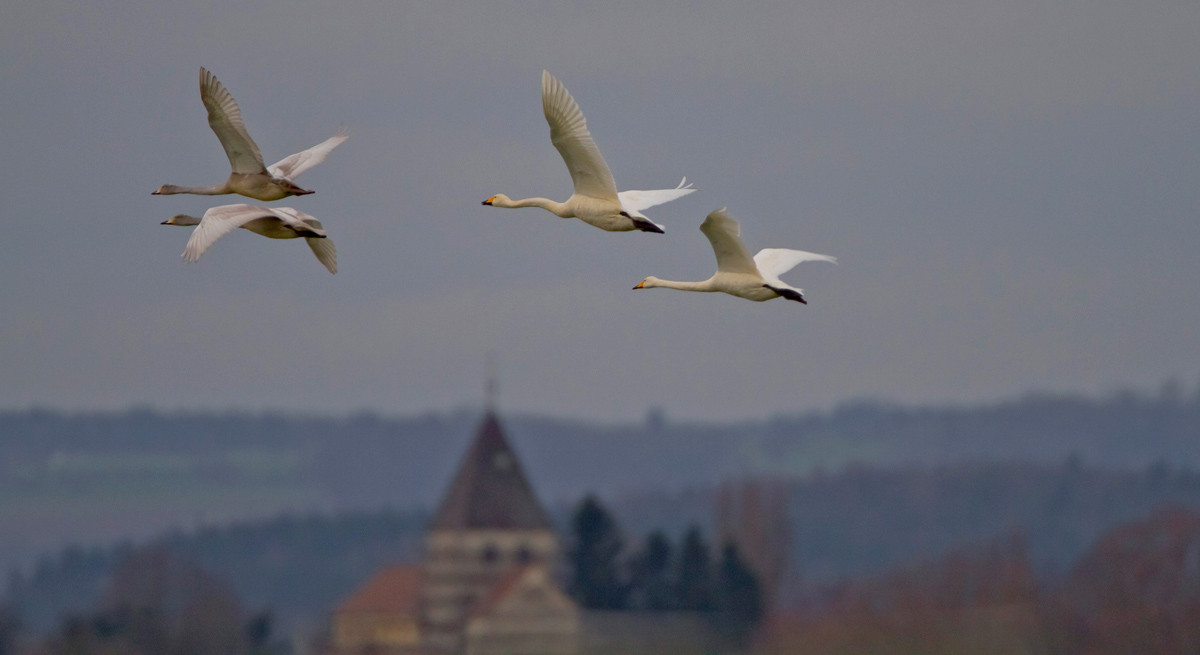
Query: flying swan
x,y
596,200
250,177
737,273
271,222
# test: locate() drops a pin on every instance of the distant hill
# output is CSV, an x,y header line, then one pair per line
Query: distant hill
x,y
867,519
103,477
296,567
1135,590
857,523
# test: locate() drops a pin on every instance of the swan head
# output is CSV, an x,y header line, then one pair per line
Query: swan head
x,y
498,200
165,190
182,220
648,283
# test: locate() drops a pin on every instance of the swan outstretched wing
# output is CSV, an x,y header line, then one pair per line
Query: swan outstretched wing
x,y
569,134
216,223
773,262
323,248
293,165
722,232
225,119
636,201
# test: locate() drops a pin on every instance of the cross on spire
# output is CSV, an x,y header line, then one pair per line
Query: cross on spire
x,y
491,385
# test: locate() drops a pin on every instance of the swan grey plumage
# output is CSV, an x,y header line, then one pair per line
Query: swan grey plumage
x,y
270,222
249,177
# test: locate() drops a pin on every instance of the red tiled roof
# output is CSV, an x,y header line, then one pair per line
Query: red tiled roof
x,y
392,590
503,587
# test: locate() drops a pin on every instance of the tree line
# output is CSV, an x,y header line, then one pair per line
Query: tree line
x,y
658,575
155,603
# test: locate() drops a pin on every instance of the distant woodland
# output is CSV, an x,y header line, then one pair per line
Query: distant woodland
x,y
843,527
293,512
370,460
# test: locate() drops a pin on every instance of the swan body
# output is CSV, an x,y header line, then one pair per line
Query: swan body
x,y
250,177
753,278
596,200
270,222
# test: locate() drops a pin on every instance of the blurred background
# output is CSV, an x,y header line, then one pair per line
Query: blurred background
x,y
984,423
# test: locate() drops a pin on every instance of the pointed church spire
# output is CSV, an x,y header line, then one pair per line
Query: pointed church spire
x,y
490,490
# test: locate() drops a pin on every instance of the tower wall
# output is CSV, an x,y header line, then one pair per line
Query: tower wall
x,y
462,565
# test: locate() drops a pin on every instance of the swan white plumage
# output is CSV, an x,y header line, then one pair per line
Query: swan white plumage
x,y
250,177
270,222
596,200
738,274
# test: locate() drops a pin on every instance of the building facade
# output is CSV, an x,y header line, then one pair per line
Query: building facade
x,y
487,583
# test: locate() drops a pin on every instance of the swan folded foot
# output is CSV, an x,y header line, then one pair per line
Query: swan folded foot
x,y
790,294
646,226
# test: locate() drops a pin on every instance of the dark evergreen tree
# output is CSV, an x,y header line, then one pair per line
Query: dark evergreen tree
x,y
258,632
693,582
595,557
738,594
650,575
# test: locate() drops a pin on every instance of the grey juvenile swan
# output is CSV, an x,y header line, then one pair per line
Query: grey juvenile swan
x,y
271,222
250,177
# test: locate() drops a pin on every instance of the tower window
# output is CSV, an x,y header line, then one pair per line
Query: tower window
x,y
524,555
502,462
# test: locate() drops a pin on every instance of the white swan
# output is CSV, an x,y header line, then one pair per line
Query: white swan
x,y
250,177
737,273
271,222
596,200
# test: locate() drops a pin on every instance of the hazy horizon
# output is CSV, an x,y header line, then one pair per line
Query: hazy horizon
x,y
1175,387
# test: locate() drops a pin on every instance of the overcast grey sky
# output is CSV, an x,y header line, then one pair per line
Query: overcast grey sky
x,y
1012,189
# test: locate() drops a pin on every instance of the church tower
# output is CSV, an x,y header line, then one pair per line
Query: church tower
x,y
489,527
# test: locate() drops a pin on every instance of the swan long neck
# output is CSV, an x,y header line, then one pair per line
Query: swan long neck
x,y
557,208
171,189
703,285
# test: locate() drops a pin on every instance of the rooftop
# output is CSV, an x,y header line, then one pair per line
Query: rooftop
x,y
490,490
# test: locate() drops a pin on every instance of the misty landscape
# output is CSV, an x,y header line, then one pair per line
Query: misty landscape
x,y
629,328
869,489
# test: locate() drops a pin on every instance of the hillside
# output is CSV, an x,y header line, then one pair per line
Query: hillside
x,y
104,477
843,527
